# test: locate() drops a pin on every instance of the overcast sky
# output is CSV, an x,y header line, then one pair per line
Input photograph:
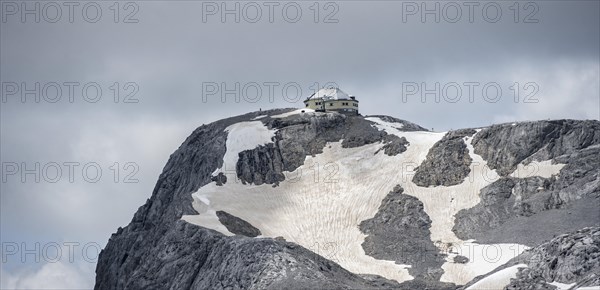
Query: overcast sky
x,y
492,62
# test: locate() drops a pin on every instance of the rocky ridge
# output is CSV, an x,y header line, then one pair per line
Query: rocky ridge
x,y
159,250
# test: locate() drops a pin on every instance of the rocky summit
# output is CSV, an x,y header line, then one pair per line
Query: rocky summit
x,y
302,199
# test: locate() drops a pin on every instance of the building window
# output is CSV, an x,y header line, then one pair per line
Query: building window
x,y
330,104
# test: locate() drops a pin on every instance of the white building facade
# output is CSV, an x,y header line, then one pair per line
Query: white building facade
x,y
332,99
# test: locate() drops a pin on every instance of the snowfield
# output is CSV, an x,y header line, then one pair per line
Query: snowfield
x,y
321,204
295,112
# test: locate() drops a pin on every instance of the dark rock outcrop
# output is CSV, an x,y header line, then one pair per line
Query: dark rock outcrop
x,y
263,164
394,145
566,259
580,176
237,225
494,209
220,179
569,258
461,259
447,162
426,285
400,232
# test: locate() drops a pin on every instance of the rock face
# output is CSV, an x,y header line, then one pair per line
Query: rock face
x,y
394,145
529,210
261,165
572,259
447,162
568,258
159,250
400,232
237,225
506,145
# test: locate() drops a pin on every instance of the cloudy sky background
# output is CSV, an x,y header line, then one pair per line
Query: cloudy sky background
x,y
370,52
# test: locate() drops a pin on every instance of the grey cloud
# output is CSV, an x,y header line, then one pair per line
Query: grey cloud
x,y
171,52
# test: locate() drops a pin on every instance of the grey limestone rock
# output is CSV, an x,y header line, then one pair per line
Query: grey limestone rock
x,y
220,179
447,162
237,225
400,232
533,209
569,258
461,259
394,145
504,146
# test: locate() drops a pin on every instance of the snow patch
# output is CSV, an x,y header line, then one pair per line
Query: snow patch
x,y
543,169
206,217
562,286
295,112
330,94
259,117
498,280
381,124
